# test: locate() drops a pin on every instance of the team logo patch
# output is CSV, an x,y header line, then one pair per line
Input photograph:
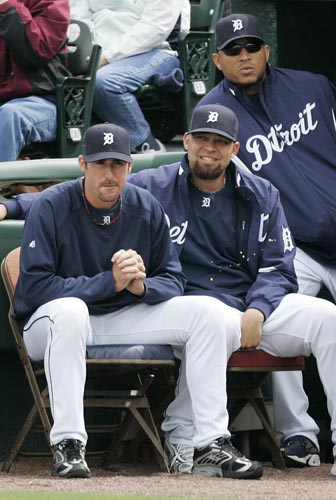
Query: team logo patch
x,y
287,239
108,138
106,220
206,202
237,25
213,117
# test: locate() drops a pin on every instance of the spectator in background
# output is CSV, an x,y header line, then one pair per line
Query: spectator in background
x,y
32,41
138,41
287,135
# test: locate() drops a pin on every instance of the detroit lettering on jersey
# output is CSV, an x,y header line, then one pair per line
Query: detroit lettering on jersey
x,y
262,147
177,233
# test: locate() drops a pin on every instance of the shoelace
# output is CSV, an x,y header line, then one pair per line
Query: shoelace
x,y
294,440
73,448
226,443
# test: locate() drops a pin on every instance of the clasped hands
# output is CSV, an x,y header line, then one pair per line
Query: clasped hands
x,y
128,271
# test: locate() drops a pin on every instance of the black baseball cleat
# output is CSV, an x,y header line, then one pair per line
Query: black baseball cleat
x,y
299,451
69,459
221,459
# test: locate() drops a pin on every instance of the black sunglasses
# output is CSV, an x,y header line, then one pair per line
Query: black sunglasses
x,y
235,50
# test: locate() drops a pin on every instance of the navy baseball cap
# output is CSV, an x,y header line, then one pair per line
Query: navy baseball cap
x,y
235,26
106,140
216,119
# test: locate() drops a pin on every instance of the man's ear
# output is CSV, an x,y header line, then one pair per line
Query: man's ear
x,y
82,164
215,59
267,50
130,166
235,149
186,138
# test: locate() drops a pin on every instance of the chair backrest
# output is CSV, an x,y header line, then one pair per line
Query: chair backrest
x,y
10,268
204,14
80,44
74,96
196,49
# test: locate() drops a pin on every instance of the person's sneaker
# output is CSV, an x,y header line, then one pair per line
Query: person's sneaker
x,y
150,145
69,459
180,457
221,459
333,468
299,451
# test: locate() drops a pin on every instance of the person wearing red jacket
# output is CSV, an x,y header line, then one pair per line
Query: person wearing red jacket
x,y
32,57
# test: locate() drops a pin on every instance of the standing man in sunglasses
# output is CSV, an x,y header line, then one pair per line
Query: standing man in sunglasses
x,y
287,135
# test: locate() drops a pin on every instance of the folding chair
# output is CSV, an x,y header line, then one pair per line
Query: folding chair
x,y
247,370
104,363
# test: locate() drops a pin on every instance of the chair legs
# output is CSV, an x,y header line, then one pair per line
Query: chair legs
x,y
258,403
255,397
143,416
25,431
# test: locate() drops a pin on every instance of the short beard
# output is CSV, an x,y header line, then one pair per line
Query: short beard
x,y
248,85
207,174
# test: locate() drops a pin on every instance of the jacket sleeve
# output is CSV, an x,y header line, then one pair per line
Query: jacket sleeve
x,y
157,21
165,277
34,36
18,206
276,275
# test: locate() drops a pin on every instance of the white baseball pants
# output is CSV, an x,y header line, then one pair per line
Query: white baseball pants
x,y
59,331
289,398
299,325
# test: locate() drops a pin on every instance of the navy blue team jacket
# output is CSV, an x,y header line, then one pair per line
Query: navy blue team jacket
x,y
66,255
265,246
289,138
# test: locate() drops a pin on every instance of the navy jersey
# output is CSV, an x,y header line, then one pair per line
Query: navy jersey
x,y
66,254
209,255
287,134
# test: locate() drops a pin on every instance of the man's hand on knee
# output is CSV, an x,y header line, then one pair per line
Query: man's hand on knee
x,y
252,321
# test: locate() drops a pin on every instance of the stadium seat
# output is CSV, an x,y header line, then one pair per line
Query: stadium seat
x,y
74,96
